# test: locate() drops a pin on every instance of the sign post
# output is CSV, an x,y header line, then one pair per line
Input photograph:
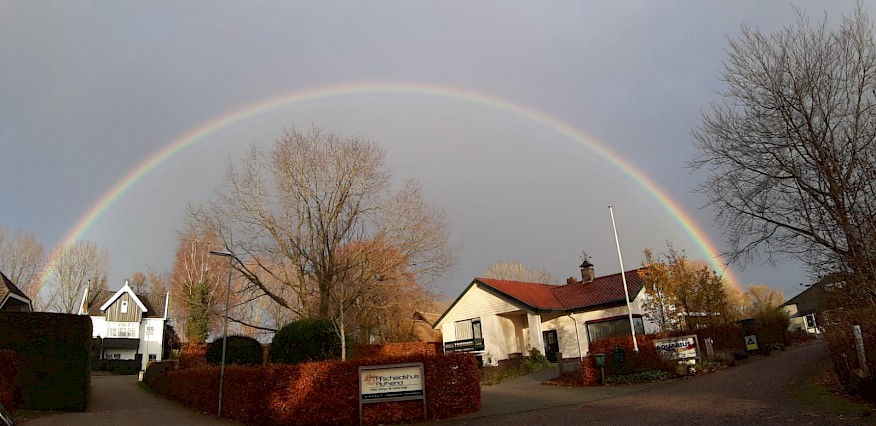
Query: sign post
x,y
386,383
682,348
751,342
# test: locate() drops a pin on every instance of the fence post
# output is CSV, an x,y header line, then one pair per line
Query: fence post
x,y
859,345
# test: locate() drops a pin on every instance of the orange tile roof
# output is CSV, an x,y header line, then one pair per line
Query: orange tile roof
x,y
601,291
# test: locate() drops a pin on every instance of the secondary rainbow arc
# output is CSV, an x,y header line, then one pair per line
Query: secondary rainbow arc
x,y
106,201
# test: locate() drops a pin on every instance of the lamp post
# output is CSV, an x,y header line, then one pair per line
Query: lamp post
x,y
230,257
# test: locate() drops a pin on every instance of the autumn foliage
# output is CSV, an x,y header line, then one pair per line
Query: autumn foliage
x,y
323,393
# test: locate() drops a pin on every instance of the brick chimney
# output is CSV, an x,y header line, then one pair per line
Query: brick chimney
x,y
587,273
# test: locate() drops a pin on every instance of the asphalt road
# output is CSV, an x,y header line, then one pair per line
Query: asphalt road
x,y
765,391
120,400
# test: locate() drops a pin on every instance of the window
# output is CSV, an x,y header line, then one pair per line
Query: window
x,y
468,337
153,357
124,308
150,330
468,329
612,327
122,329
117,356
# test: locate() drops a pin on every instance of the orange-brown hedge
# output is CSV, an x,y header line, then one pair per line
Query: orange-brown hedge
x,y
193,356
323,393
646,359
8,378
390,350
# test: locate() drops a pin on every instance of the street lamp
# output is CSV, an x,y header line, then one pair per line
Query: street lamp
x,y
230,257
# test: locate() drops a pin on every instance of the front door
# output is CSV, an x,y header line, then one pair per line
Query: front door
x,y
551,344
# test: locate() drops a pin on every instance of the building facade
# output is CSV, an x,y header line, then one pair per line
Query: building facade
x,y
128,325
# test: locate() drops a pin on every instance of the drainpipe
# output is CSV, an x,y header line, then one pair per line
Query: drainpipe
x,y
577,338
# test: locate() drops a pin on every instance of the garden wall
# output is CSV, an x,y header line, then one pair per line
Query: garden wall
x,y
322,393
53,351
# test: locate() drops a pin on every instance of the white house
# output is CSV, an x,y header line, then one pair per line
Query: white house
x,y
499,319
130,326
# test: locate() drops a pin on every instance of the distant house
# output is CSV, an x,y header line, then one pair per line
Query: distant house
x,y
12,298
805,309
129,325
499,319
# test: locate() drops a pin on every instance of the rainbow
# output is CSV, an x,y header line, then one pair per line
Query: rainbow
x,y
454,93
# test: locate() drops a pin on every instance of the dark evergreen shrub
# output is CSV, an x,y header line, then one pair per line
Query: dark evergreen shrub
x,y
308,339
241,350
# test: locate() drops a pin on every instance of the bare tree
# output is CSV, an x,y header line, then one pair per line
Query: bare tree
x,y
516,271
293,209
21,259
77,266
138,282
198,284
791,150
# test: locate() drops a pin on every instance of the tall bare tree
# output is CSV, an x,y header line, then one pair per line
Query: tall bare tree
x,y
516,271
21,259
77,266
790,150
293,209
198,284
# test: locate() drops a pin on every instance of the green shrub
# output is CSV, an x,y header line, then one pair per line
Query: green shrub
x,y
534,362
307,339
241,350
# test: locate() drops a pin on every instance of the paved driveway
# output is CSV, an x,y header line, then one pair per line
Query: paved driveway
x,y
765,391
120,400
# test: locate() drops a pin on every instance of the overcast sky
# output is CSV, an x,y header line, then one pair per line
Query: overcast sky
x,y
91,90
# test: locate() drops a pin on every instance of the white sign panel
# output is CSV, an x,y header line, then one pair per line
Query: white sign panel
x,y
680,348
393,382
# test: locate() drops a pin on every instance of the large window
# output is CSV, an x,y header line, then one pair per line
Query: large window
x,y
613,327
468,337
123,329
468,329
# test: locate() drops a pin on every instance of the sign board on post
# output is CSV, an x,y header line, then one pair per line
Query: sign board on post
x,y
680,348
397,382
751,343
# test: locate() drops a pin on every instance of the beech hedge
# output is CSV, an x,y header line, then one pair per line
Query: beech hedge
x,y
54,353
388,350
323,393
8,378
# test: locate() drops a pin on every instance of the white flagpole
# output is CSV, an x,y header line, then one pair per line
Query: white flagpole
x,y
624,278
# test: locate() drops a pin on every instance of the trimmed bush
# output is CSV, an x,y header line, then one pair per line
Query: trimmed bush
x,y
193,355
54,351
285,394
240,350
389,350
8,378
309,339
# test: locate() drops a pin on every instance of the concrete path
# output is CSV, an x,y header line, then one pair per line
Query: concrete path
x,y
121,400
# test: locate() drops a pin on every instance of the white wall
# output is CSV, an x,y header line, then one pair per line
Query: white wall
x,y
151,344
98,326
478,303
